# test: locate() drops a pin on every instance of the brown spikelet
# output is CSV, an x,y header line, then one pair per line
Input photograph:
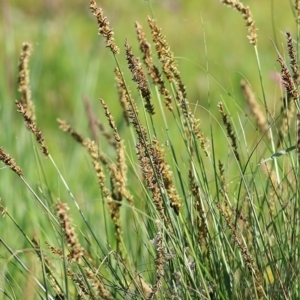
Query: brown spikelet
x,y
200,218
159,264
103,27
252,268
30,124
223,189
247,16
163,172
118,172
25,106
297,8
3,211
145,155
256,111
150,179
287,79
80,284
6,159
48,267
169,64
24,82
153,71
229,130
55,250
111,121
76,250
64,126
93,151
113,197
123,94
165,54
139,77
293,59
102,292
170,70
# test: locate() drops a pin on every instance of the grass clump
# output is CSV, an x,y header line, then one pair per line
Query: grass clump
x,y
186,207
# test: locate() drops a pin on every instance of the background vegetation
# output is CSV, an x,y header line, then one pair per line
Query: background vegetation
x,y
70,63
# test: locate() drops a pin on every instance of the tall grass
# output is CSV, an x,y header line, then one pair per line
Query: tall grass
x,y
184,209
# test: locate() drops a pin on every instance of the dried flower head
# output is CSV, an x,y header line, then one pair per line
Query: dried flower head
x,y
153,71
103,26
139,77
123,94
293,59
64,126
297,7
246,13
255,109
25,105
159,265
230,132
30,124
76,250
102,292
23,80
163,172
287,80
6,159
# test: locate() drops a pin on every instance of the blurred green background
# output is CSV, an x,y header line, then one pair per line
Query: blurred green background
x,y
70,61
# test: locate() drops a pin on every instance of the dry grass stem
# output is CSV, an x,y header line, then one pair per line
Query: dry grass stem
x,y
170,67
102,292
24,81
105,133
80,284
164,53
64,126
287,80
293,59
6,159
163,172
247,15
139,77
30,124
123,94
159,264
113,197
111,121
256,111
230,132
170,70
297,8
48,266
76,252
201,219
153,71
103,27
25,105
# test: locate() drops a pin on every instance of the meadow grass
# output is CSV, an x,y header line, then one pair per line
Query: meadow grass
x,y
144,193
